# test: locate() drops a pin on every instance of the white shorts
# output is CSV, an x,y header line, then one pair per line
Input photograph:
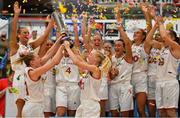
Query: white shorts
x,y
121,96
68,95
33,110
167,94
19,84
103,91
49,100
151,87
88,109
139,82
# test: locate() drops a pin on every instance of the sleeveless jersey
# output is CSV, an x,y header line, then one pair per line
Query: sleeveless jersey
x,y
18,67
67,71
125,70
34,88
168,65
140,59
154,60
50,79
89,88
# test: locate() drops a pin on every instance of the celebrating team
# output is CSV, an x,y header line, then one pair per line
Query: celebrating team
x,y
88,82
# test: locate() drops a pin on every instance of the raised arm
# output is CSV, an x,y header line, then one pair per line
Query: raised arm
x,y
36,73
83,25
149,39
13,34
145,8
42,51
75,29
34,44
174,47
127,41
82,64
86,37
51,52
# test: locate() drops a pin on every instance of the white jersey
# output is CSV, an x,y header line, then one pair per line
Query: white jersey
x,y
67,71
154,59
140,58
19,66
89,88
168,65
34,88
125,70
50,79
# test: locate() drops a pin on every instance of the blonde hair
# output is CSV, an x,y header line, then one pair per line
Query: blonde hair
x,y
100,57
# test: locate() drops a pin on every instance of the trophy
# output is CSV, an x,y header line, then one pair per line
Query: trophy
x,y
58,17
59,21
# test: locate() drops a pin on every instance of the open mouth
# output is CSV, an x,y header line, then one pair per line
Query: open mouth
x,y
27,37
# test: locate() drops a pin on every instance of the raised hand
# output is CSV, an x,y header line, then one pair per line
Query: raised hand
x,y
66,44
48,18
17,9
152,11
74,19
144,7
159,19
117,13
91,22
114,72
84,15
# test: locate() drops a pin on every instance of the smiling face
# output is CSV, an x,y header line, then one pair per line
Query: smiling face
x,y
119,48
107,47
95,58
139,36
97,41
49,44
23,35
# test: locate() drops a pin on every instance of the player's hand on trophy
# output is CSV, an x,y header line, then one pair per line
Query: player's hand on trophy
x,y
66,44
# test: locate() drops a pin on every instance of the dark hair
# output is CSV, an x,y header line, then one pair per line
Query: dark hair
x,y
174,35
121,41
26,58
107,41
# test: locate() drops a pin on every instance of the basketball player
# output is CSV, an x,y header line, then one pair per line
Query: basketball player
x,y
17,49
89,84
167,87
67,89
34,79
96,44
121,90
49,83
67,79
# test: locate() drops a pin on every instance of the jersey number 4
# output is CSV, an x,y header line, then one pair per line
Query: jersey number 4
x,y
68,70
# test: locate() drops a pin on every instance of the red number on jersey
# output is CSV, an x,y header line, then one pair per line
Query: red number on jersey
x,y
135,58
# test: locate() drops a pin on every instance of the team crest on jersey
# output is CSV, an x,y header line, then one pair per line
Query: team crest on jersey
x,y
81,84
83,77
